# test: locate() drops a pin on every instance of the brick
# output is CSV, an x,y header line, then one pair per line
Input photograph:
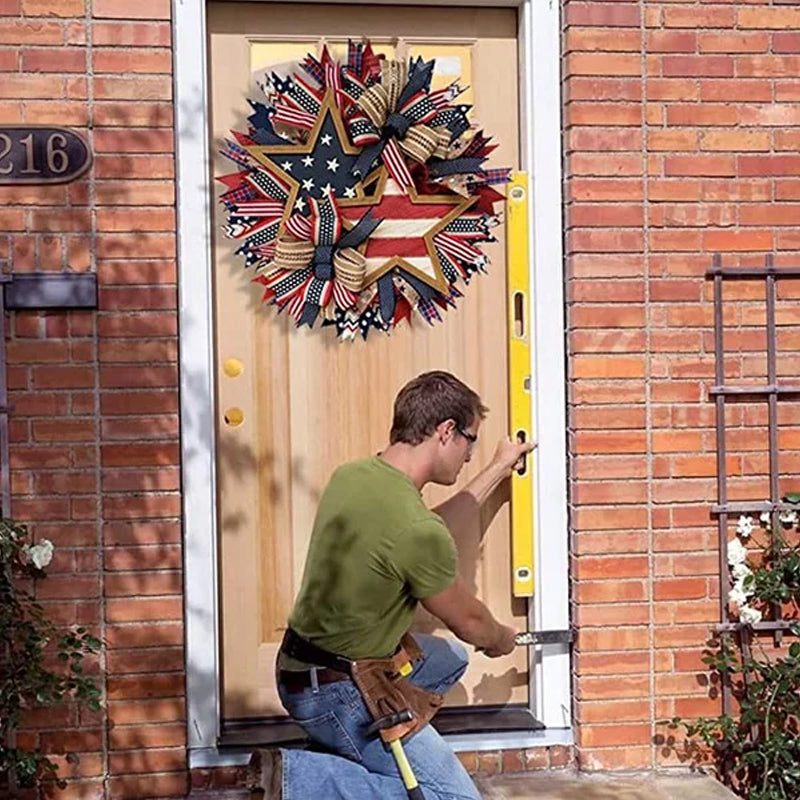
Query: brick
x,y
731,90
768,18
144,378
131,787
151,660
700,166
47,8
134,167
586,113
131,61
138,219
680,589
141,9
602,39
150,712
142,584
736,141
63,377
614,735
594,88
609,442
144,140
608,367
129,455
143,687
699,17
617,15
603,518
142,87
64,430
153,114
145,737
767,66
726,241
146,507
61,219
25,32
590,568
785,42
602,64
125,34
143,610
30,86
143,245
139,324
711,66
53,60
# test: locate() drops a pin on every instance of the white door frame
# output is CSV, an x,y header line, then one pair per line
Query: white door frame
x,y
540,151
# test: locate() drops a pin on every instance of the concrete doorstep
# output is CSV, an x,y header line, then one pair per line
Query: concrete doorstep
x,y
562,785
601,786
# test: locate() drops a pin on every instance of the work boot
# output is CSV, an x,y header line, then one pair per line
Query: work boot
x,y
265,774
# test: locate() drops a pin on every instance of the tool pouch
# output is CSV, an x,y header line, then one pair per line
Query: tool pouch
x,y
386,691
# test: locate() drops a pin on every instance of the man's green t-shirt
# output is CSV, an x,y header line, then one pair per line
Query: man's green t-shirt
x,y
375,550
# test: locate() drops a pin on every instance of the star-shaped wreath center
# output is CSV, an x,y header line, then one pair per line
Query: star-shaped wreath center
x,y
320,165
409,223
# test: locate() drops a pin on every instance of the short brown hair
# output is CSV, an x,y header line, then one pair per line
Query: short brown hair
x,y
429,399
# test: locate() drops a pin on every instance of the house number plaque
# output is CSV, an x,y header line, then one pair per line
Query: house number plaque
x,y
41,154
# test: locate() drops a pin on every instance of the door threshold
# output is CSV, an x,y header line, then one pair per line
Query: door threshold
x,y
478,728
239,755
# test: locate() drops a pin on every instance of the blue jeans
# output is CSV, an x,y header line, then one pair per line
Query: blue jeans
x,y
334,716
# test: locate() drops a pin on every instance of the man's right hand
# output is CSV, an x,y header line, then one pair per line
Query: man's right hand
x,y
505,644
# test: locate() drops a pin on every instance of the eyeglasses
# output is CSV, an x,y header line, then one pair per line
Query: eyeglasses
x,y
470,437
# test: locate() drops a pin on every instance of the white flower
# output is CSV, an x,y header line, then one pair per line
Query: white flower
x,y
40,554
765,517
737,552
742,589
745,526
740,571
788,518
749,615
737,595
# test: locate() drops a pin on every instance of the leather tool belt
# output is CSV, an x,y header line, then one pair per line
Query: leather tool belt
x,y
382,682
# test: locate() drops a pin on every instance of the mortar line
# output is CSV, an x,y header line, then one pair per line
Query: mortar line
x,y
648,384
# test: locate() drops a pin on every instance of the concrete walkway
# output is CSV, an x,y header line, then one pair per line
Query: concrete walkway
x,y
593,786
563,785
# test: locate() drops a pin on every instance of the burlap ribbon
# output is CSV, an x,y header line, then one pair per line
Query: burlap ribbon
x,y
398,109
348,266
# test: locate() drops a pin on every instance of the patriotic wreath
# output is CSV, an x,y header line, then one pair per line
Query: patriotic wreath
x,y
360,194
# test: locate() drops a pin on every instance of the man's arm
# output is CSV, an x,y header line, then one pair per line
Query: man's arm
x,y
460,512
471,620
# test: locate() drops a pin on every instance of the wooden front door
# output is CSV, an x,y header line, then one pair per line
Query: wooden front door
x,y
293,404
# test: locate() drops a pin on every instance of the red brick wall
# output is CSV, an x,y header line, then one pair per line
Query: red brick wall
x,y
681,138
94,432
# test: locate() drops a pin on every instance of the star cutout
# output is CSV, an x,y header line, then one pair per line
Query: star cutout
x,y
308,161
327,189
333,165
299,204
409,224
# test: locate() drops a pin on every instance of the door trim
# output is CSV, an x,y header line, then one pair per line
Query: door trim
x,y
540,150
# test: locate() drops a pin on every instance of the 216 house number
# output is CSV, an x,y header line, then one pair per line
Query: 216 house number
x,y
41,155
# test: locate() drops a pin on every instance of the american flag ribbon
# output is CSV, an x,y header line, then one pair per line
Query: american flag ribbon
x,y
395,163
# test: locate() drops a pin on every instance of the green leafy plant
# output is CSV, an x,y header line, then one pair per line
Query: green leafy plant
x,y
757,752
39,665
